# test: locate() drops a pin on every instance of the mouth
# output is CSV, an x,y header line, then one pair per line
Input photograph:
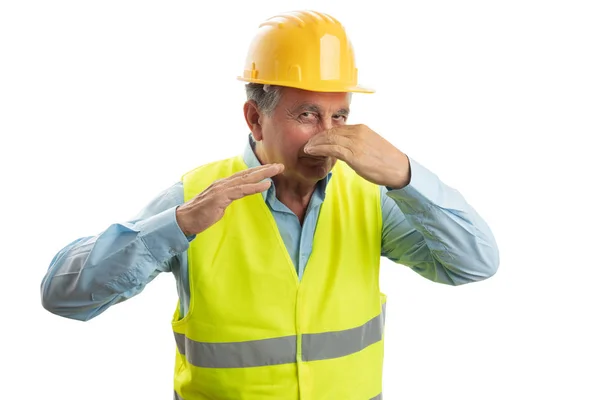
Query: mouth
x,y
305,155
315,159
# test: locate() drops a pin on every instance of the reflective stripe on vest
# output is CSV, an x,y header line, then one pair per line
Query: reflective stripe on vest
x,y
176,396
282,350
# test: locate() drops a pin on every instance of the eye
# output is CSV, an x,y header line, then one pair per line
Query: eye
x,y
340,117
308,116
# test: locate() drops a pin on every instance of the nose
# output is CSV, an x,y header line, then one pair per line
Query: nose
x,y
323,125
326,124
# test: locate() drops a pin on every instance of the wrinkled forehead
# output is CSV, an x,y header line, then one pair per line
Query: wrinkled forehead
x,y
322,102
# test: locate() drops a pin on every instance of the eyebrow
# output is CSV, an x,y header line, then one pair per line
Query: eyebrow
x,y
304,107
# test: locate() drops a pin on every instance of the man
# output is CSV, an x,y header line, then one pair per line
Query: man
x,y
276,252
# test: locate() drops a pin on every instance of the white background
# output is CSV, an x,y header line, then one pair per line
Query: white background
x,y
105,104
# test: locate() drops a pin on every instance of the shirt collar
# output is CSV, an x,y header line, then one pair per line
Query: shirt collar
x,y
252,161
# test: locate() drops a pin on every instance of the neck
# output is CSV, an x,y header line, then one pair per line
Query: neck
x,y
294,193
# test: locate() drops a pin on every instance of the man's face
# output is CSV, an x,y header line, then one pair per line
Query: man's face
x,y
298,117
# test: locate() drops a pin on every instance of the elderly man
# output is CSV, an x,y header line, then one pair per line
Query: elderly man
x,y
277,251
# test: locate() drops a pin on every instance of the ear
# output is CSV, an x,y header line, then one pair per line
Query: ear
x,y
253,119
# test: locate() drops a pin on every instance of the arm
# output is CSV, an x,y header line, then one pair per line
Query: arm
x,y
427,225
93,273
430,228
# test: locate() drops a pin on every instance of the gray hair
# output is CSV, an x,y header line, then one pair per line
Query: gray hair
x,y
266,96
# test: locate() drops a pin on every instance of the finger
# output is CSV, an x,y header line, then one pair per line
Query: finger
x,y
255,174
239,191
260,174
250,171
341,131
322,138
331,150
334,143
227,180
329,138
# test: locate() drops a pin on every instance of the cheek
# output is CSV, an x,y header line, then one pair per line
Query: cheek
x,y
295,140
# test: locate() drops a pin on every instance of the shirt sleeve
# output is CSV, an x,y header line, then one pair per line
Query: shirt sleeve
x,y
92,273
429,227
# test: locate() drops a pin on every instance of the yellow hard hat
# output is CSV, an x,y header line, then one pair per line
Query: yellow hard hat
x,y
305,50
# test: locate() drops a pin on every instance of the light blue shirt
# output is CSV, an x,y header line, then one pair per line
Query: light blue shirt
x,y
427,226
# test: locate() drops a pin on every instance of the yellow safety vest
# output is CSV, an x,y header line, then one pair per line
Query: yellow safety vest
x,y
253,330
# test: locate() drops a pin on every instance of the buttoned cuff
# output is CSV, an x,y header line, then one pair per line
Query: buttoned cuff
x,y
162,235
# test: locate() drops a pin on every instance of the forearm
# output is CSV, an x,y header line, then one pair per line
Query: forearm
x,y
439,235
93,273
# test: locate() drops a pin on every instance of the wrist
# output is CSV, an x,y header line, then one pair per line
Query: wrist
x,y
180,216
400,177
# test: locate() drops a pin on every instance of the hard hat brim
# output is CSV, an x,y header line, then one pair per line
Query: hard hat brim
x,y
321,88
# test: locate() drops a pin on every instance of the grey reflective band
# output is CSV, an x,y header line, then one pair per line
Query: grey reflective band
x,y
178,397
323,346
254,353
282,350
